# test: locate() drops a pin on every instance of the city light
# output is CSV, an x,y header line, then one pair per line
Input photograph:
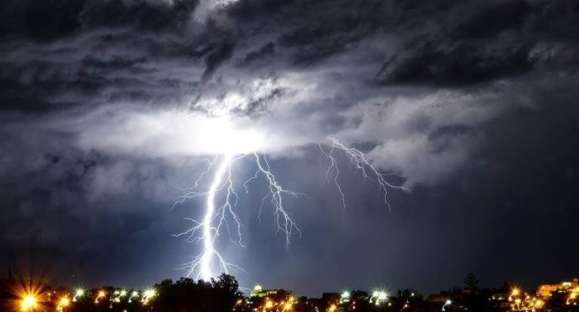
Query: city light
x,y
63,303
78,293
378,297
29,295
148,295
447,303
100,295
287,306
345,296
539,304
29,302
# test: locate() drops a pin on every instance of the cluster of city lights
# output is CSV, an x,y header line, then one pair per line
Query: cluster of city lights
x,y
345,297
524,302
569,290
29,300
36,298
516,299
263,300
278,306
521,301
377,298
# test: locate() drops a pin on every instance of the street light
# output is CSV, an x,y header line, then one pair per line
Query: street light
x,y
447,303
63,303
28,303
78,293
379,297
345,297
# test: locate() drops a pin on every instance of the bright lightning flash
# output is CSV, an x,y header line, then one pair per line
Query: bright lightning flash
x,y
233,145
208,235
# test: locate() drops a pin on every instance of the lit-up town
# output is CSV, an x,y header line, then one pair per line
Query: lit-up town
x,y
222,294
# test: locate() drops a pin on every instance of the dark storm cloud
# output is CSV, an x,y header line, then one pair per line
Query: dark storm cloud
x,y
466,47
440,93
123,44
458,64
53,19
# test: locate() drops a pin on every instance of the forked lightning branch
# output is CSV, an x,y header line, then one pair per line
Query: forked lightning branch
x,y
221,198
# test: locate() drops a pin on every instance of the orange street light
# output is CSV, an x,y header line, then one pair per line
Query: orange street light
x,y
28,303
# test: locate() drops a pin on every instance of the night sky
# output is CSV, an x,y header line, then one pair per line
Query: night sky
x,y
472,107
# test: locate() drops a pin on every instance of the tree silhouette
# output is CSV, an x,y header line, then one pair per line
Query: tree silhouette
x,y
471,281
185,294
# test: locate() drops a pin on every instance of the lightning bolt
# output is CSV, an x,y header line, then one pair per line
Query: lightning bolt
x,y
222,187
217,216
210,233
359,160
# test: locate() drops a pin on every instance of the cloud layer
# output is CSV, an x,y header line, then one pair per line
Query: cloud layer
x,y
364,72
